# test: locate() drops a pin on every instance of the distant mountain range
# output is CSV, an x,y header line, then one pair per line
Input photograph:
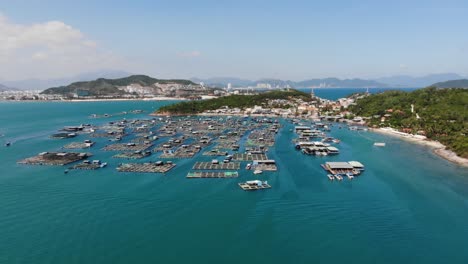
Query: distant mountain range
x,y
6,88
392,81
423,81
41,84
325,82
462,83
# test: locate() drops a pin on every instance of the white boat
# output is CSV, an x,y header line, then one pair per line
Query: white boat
x,y
248,166
103,164
379,144
258,171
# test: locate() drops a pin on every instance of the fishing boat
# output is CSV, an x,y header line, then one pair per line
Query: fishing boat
x,y
7,144
350,176
379,144
248,167
258,172
102,165
339,177
331,177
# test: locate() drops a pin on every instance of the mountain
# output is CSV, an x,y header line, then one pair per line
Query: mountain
x,y
462,83
4,88
324,82
135,85
41,84
423,81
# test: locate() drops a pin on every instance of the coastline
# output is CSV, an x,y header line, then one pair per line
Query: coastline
x,y
104,100
437,148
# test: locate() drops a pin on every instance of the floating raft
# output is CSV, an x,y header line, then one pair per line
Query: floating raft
x,y
127,147
86,166
217,174
219,166
253,187
146,167
78,145
249,157
132,155
55,158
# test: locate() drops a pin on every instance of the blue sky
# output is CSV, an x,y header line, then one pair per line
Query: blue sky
x,y
248,39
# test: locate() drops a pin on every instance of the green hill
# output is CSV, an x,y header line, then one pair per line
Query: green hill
x,y
109,86
462,83
232,101
443,114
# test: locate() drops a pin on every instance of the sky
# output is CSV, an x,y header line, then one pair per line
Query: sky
x,y
251,39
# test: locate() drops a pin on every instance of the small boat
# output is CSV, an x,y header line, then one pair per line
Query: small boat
x,y
331,177
7,144
102,165
65,171
258,172
379,144
339,177
350,176
248,167
336,141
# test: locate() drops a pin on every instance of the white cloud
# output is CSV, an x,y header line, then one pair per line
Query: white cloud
x,y
190,54
48,49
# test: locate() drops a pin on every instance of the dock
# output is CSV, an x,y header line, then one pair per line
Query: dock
x,y
219,166
216,174
127,147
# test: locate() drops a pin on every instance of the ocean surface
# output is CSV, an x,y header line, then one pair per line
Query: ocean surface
x,y
409,206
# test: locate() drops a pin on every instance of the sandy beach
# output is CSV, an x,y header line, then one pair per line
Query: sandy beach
x,y
438,148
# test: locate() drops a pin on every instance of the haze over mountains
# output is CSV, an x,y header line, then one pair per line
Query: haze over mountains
x,y
391,81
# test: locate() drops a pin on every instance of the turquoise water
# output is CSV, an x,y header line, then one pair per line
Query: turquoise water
x,y
409,206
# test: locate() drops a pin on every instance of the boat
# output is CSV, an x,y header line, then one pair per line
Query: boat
x,y
65,171
339,177
7,144
248,167
102,165
258,172
331,177
350,176
379,144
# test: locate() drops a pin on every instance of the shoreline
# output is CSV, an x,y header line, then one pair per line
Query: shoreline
x,y
103,100
437,148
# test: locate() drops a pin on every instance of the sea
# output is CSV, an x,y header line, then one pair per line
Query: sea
x,y
408,206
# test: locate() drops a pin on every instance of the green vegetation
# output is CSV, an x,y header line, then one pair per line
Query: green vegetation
x,y
443,114
109,86
232,101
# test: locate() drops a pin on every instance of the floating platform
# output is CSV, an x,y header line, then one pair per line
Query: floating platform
x,y
146,167
55,158
216,174
249,157
87,166
127,147
132,155
78,145
219,166
253,187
